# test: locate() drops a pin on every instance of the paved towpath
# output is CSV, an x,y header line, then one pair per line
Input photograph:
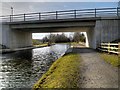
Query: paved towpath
x,y
95,72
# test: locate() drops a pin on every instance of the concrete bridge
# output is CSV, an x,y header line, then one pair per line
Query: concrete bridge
x,y
101,25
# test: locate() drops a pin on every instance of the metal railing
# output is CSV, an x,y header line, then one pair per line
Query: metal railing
x,y
109,47
69,14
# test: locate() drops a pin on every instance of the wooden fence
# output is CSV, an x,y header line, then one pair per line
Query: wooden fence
x,y
109,47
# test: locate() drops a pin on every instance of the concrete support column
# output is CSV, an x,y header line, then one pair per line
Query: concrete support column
x,y
6,35
15,38
91,38
21,39
86,39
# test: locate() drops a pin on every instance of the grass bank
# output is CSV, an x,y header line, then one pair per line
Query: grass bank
x,y
41,45
111,58
64,73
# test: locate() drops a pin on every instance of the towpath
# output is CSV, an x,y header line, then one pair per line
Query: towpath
x,y
95,72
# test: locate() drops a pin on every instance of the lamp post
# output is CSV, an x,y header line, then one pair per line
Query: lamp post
x,y
11,10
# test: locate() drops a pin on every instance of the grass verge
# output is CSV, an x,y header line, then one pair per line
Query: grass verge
x,y
111,58
41,45
64,73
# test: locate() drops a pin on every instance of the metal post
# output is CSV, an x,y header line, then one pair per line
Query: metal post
x,y
24,17
10,18
56,15
39,16
74,13
95,12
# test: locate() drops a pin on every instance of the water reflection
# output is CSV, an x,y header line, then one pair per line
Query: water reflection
x,y
23,68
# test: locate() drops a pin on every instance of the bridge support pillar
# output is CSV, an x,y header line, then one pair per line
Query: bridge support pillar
x,y
86,39
91,41
15,38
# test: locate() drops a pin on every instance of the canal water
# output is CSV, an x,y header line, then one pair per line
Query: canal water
x,y
22,69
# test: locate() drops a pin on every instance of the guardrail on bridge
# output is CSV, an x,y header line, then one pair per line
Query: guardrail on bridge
x,y
68,14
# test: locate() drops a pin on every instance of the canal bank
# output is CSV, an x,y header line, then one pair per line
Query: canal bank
x,y
64,73
20,49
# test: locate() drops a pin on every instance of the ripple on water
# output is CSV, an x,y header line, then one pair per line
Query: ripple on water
x,y
23,68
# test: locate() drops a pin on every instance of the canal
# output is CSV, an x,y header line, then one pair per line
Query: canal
x,y
22,69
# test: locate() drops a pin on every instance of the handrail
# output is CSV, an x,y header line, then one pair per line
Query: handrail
x,y
66,11
61,14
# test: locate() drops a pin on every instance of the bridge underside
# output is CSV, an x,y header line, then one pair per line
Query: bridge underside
x,y
16,35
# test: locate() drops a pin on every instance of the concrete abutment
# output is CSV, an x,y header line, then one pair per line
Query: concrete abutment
x,y
106,31
15,38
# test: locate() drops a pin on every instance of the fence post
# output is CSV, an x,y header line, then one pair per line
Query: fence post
x,y
24,17
108,47
95,12
74,13
39,16
118,49
56,15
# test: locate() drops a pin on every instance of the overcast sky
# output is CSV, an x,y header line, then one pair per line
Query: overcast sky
x,y
28,7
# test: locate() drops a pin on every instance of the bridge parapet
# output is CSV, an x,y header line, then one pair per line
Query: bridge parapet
x,y
68,14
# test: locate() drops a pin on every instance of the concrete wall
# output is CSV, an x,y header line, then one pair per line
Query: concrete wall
x,y
0,33
106,31
5,30
21,39
15,39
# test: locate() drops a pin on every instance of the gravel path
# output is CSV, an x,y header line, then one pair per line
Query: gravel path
x,y
95,72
